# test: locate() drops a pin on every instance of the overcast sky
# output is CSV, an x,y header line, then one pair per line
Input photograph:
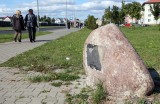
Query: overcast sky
x,y
57,8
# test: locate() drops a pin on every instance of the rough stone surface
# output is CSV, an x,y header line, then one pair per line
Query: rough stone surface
x,y
110,58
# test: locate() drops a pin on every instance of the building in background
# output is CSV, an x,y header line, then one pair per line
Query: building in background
x,y
7,19
1,18
130,20
147,16
60,20
99,22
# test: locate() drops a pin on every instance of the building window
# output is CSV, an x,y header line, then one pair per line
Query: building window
x,y
149,15
149,10
149,20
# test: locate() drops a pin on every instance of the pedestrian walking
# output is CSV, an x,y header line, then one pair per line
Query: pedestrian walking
x,y
31,24
68,24
18,25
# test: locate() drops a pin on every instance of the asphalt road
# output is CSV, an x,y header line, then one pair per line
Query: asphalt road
x,y
41,29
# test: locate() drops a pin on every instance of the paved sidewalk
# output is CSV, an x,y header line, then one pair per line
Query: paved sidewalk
x,y
11,49
16,89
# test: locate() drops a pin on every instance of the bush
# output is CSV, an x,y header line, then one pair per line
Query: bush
x,y
91,22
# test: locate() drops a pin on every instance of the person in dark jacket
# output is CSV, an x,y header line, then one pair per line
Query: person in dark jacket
x,y
68,24
31,24
18,25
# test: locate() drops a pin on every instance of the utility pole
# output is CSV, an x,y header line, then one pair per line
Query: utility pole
x,y
66,16
74,13
38,14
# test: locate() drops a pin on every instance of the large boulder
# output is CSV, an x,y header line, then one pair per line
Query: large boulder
x,y
109,58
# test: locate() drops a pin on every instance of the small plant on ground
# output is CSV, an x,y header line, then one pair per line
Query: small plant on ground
x,y
77,99
81,98
36,79
53,76
44,78
67,77
99,94
141,101
45,91
57,84
67,83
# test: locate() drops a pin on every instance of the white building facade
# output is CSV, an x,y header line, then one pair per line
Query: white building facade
x,y
147,16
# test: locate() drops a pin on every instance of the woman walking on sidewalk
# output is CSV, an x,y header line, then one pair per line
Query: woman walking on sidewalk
x,y
18,25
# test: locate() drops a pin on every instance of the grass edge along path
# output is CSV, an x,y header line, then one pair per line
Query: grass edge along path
x,y
10,28
54,54
9,37
67,51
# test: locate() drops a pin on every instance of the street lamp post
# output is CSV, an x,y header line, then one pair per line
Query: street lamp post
x,y
66,16
38,14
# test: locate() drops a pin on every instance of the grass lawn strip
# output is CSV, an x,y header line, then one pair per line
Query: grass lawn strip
x,y
9,37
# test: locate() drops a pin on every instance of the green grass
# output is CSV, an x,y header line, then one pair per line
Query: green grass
x,y
5,28
10,28
67,77
99,94
80,98
43,78
57,84
54,53
9,37
145,40
53,76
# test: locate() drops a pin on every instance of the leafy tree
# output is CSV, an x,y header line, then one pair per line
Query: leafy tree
x,y
133,9
53,20
44,18
107,17
122,12
155,10
91,22
48,19
41,19
128,9
115,14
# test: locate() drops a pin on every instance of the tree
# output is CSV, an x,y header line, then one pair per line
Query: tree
x,y
107,16
48,19
155,10
53,20
133,9
122,12
39,17
115,14
91,22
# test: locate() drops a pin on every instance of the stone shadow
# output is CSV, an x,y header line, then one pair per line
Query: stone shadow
x,y
156,78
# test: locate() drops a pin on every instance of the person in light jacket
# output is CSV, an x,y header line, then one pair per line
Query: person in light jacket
x,y
18,25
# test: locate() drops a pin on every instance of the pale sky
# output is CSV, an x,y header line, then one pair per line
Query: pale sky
x,y
57,8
